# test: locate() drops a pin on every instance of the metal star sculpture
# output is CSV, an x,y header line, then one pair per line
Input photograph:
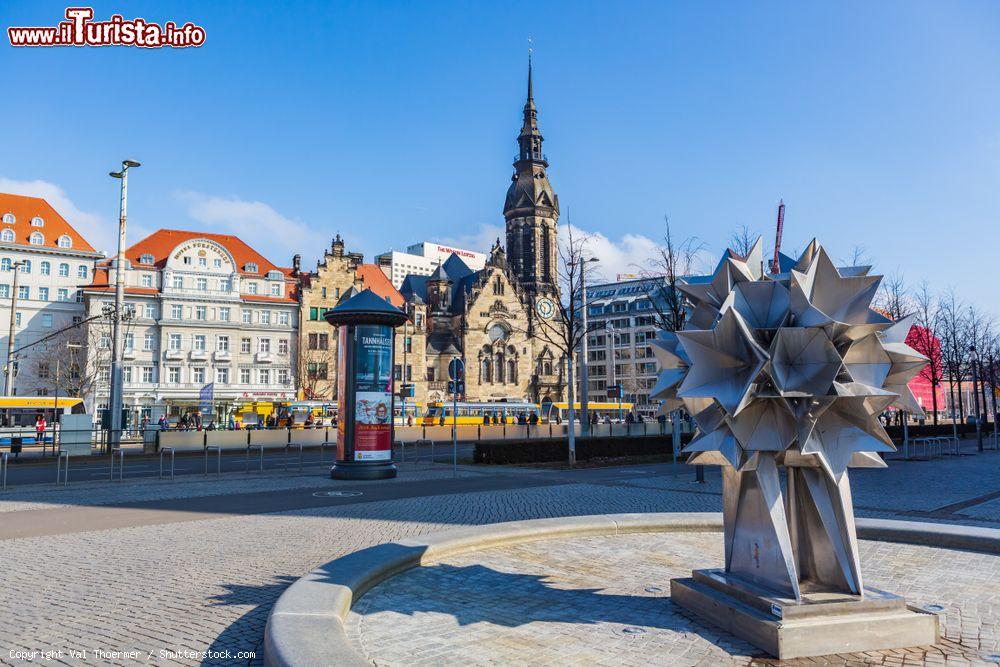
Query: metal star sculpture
x,y
788,370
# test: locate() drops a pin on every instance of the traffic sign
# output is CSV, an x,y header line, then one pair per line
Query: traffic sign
x,y
456,369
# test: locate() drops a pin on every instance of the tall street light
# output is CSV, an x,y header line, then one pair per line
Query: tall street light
x,y
8,386
975,393
584,371
115,400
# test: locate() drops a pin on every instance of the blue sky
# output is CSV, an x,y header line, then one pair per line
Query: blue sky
x,y
393,122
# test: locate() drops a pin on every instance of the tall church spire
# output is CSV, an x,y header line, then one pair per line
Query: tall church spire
x,y
531,208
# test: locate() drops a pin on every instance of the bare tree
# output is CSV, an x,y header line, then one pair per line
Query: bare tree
x,y
925,339
954,346
674,260
73,358
858,257
312,369
741,241
894,297
977,326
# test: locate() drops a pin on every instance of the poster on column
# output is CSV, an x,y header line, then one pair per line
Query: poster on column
x,y
373,393
341,392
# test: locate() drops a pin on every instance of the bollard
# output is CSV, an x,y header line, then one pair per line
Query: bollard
x,y
218,449
59,468
3,471
699,474
121,464
172,457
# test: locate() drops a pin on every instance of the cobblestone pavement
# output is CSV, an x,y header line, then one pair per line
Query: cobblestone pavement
x,y
209,584
605,601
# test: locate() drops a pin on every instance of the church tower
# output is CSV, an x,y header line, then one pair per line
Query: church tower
x,y
532,211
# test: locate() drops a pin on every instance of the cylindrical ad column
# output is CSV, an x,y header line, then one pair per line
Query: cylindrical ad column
x,y
365,393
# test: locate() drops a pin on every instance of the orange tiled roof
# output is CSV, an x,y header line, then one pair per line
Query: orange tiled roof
x,y
373,278
160,243
25,209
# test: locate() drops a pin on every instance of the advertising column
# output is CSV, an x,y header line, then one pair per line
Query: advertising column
x,y
373,395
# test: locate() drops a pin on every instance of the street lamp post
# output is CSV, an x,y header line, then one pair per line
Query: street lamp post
x,y
9,370
975,394
115,399
584,370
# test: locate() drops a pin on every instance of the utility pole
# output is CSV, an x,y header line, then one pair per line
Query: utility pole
x,y
117,341
584,361
975,394
9,370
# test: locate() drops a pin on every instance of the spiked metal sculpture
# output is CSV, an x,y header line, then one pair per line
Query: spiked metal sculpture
x,y
788,370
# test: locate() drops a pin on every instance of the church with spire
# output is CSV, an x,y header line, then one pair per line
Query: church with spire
x,y
490,317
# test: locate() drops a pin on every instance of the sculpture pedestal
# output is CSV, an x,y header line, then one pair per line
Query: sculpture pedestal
x,y
821,624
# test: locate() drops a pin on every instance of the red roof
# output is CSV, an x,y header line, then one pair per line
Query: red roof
x,y
374,278
25,209
160,243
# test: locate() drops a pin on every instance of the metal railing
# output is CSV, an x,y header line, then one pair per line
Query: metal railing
x,y
173,457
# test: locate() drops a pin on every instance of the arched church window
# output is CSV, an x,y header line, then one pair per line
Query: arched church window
x,y
487,371
511,371
501,379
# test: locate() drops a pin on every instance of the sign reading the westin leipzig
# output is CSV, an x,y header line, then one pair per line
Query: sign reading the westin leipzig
x,y
372,392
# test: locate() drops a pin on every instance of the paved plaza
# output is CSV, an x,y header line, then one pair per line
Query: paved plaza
x,y
606,601
195,565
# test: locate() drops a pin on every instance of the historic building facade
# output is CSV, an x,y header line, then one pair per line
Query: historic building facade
x,y
53,262
491,317
338,275
208,309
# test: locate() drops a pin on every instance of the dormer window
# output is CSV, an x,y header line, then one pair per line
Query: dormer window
x,y
36,238
145,258
37,222
7,236
9,219
274,275
250,267
65,241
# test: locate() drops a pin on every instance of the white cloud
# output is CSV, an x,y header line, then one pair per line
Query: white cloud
x,y
99,232
277,237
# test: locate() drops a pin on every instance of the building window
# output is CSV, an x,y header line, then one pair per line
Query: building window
x,y
7,236
318,341
148,341
317,371
222,343
176,312
64,270
222,375
250,268
264,345
147,374
202,284
431,374
203,261
45,268
275,289
146,280
5,291
175,341
247,317
65,242
46,321
43,293
178,282
282,346
36,238
245,345
251,288
283,319
224,314
244,376
146,258
25,266
186,260
264,375
408,344
9,219
62,294
217,263
265,317
5,264
226,285
43,370
174,374
199,342
37,222
129,341
150,311
283,376
198,375
313,312
201,312
126,374
23,292
81,271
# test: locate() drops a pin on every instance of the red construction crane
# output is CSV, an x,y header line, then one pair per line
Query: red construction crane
x,y
775,265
